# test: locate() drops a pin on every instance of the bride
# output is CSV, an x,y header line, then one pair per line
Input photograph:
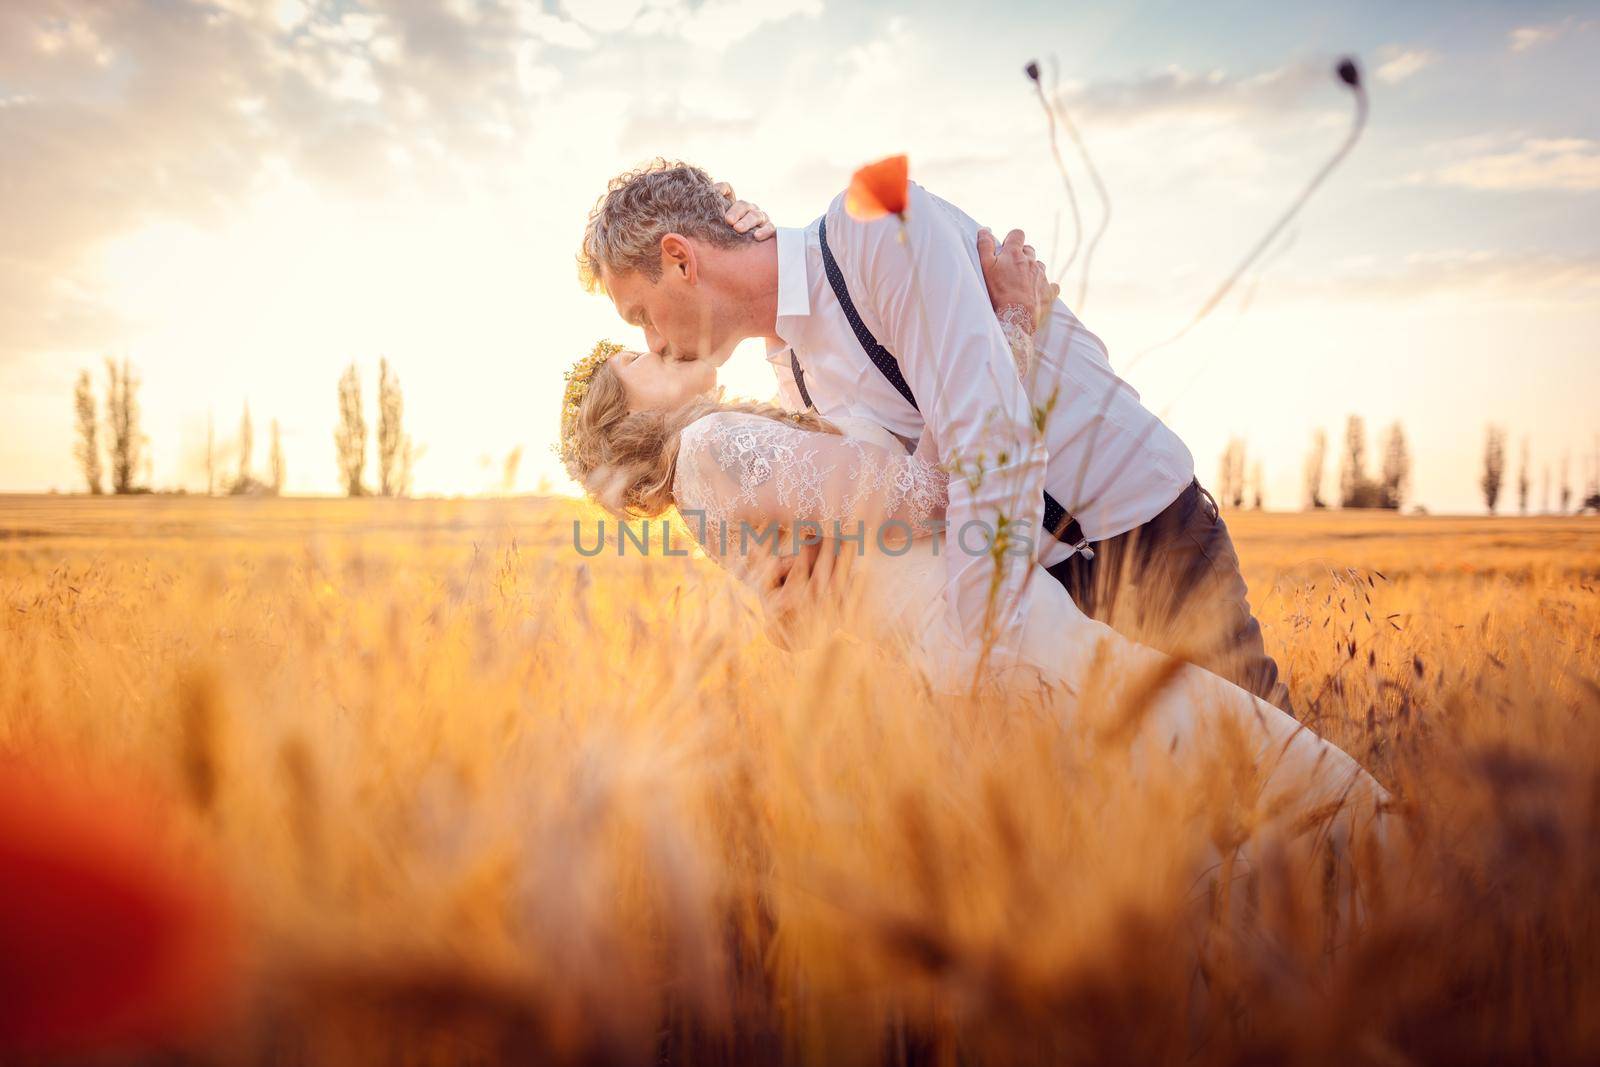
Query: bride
x,y
644,435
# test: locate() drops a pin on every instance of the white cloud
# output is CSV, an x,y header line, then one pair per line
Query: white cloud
x,y
717,24
1527,38
350,28
536,77
1478,273
709,24
875,66
1524,38
353,80
679,123
290,13
440,160
72,35
1176,90
604,16
1567,164
119,117
553,30
1399,65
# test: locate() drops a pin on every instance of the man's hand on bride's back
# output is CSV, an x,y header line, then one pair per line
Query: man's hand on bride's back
x,y
745,217
802,593
1015,277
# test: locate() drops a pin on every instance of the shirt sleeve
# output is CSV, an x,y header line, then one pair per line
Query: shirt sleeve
x,y
927,293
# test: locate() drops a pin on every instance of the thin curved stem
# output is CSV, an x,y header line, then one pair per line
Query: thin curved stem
x,y
1357,125
1105,204
1066,179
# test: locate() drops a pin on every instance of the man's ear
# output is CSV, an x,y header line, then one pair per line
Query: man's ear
x,y
678,258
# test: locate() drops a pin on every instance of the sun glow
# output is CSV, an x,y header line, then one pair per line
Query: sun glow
x,y
270,306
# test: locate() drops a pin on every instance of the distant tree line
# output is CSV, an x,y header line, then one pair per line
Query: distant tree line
x,y
1388,490
396,453
1493,479
109,436
244,482
1391,487
1494,466
125,444
1356,488
1236,487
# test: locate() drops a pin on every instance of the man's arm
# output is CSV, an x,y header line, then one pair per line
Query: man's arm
x,y
936,317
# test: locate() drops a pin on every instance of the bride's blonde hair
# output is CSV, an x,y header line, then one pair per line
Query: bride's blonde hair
x,y
626,460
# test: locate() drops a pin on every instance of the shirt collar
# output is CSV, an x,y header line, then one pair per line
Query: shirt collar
x,y
794,281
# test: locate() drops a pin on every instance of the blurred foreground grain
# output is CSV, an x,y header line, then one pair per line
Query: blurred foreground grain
x,y
479,800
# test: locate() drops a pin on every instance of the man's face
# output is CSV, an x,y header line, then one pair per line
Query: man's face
x,y
681,317
654,383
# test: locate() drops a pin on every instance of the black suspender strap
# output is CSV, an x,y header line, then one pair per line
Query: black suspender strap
x,y
1062,526
887,365
910,443
800,381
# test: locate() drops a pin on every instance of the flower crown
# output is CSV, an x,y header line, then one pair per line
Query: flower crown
x,y
578,377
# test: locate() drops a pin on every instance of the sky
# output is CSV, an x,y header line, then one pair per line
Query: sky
x,y
242,197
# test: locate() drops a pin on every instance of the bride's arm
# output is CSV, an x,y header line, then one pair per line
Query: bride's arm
x,y
744,473
741,477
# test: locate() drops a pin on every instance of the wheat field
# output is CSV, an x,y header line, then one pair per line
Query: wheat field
x,y
465,797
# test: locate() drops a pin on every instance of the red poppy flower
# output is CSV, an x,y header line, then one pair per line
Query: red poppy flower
x,y
105,940
879,189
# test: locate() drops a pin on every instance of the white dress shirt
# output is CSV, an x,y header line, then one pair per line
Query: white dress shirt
x,y
1107,459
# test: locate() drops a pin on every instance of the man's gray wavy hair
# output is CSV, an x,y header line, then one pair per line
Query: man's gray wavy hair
x,y
641,207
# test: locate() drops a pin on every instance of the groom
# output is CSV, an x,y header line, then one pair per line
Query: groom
x,y
862,319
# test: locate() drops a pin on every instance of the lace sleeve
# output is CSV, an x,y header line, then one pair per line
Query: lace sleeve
x,y
1017,325
736,467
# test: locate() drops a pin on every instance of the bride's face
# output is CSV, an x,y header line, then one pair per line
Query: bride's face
x,y
658,383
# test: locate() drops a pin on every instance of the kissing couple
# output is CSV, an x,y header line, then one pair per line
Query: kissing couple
x,y
950,453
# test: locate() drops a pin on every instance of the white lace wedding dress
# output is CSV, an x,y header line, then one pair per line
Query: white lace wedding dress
x,y
739,474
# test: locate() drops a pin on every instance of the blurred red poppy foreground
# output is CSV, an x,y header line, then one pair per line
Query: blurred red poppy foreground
x,y
106,940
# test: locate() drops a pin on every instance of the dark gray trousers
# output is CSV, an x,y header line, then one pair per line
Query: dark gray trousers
x,y
1174,584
